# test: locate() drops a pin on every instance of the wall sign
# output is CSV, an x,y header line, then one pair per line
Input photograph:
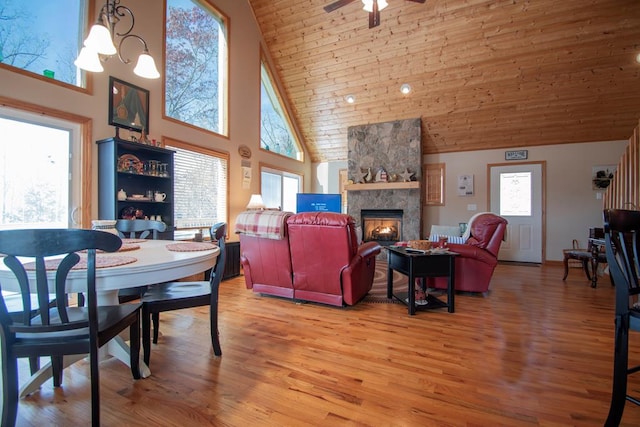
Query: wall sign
x,y
516,155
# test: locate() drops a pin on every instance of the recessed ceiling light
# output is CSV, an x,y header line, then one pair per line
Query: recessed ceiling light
x,y
638,58
350,99
405,88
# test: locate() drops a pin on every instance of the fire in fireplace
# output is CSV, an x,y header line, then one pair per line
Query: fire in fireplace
x,y
381,225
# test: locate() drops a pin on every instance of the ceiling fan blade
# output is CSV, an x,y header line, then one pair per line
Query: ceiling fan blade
x,y
418,1
374,16
337,5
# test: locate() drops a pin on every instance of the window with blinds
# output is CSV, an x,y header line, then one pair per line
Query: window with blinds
x,y
200,189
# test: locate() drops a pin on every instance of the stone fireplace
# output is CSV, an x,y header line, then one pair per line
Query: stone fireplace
x,y
396,148
381,225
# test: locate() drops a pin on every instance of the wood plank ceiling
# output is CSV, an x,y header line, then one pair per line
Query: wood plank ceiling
x,y
485,73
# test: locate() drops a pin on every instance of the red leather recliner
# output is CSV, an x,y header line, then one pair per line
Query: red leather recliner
x,y
478,255
328,264
311,256
264,252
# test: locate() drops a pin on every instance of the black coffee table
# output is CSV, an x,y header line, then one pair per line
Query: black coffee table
x,y
421,265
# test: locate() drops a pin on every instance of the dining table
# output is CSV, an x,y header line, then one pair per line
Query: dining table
x,y
139,262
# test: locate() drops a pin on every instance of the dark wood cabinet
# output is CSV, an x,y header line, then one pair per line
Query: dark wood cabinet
x,y
232,265
140,171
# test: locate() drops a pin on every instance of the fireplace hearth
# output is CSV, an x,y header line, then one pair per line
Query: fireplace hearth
x,y
381,225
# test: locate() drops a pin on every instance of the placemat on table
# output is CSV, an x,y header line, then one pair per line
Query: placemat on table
x,y
128,247
190,246
124,248
129,240
101,262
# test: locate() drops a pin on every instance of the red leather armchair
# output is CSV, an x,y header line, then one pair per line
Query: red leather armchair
x,y
478,255
328,264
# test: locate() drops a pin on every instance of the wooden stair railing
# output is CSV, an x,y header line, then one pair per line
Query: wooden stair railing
x,y
624,190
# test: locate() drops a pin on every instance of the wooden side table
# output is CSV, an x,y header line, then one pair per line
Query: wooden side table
x,y
418,265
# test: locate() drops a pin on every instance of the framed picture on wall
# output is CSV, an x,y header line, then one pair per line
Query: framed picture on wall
x,y
128,106
465,185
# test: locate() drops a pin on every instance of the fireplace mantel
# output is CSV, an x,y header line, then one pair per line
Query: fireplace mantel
x,y
383,186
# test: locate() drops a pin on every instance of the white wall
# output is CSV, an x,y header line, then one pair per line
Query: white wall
x,y
572,206
325,176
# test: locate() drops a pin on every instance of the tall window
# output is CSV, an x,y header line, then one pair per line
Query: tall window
x,y
200,188
275,128
39,171
43,37
279,188
196,65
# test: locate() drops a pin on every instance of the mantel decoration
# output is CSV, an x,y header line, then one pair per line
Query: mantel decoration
x,y
128,107
367,176
99,44
406,175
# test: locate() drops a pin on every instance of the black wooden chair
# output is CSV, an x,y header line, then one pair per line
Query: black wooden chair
x,y
137,229
178,295
622,242
60,330
590,258
15,309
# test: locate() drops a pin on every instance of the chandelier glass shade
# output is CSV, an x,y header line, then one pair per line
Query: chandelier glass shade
x,y
99,44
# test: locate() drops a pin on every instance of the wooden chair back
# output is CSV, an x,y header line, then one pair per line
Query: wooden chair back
x,y
140,228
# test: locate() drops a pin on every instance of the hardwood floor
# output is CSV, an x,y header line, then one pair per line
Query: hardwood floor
x,y
535,351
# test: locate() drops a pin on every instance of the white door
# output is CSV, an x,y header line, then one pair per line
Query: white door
x,y
516,194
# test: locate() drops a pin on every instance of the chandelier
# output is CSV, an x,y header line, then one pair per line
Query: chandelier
x,y
100,42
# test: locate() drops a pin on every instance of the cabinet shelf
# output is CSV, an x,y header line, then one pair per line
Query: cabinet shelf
x,y
112,178
125,173
140,201
383,186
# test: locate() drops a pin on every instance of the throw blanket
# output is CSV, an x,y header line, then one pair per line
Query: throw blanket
x,y
267,224
452,239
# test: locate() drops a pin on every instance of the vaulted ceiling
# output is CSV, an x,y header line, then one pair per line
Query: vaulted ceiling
x,y
484,73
